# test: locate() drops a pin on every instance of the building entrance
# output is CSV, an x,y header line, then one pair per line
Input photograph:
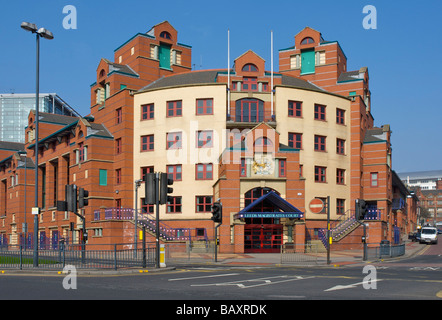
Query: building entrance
x,y
263,231
262,238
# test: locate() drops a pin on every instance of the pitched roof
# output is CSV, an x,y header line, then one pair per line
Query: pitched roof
x,y
180,79
299,83
120,68
11,146
376,135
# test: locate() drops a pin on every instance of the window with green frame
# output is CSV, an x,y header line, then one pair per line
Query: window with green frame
x,y
103,177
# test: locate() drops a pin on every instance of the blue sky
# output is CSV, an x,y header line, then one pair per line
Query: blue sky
x,y
403,54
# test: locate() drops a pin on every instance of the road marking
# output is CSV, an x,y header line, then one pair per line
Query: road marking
x,y
424,268
202,277
340,287
263,282
280,296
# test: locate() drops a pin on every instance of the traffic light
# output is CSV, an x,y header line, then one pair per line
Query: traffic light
x,y
83,198
149,188
361,209
71,197
217,212
164,188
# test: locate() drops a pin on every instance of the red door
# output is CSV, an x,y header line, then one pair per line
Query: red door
x,y
262,238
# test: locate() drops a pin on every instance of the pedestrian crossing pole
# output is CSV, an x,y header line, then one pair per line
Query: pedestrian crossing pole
x,y
329,238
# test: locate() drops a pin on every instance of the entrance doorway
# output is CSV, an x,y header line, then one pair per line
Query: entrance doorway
x,y
263,210
261,235
262,238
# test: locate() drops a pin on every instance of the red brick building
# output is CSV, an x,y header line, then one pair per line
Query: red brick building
x,y
310,136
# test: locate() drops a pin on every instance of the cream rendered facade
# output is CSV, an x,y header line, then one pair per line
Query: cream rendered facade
x,y
189,154
309,158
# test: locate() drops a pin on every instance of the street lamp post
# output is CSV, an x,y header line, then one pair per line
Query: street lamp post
x,y
25,225
42,32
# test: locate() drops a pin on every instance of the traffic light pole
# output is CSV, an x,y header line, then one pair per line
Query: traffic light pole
x,y
157,220
216,241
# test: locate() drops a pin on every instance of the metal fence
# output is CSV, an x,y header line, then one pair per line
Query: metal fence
x,y
299,254
386,250
82,257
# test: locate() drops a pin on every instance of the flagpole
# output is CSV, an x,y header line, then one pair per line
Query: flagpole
x,y
271,61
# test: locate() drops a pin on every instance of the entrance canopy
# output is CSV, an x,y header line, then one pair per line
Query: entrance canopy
x,y
282,208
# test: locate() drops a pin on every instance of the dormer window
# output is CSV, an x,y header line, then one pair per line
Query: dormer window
x,y
165,35
307,40
250,68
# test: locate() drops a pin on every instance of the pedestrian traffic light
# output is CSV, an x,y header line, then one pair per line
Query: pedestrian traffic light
x,y
149,188
360,209
71,197
83,198
217,212
165,182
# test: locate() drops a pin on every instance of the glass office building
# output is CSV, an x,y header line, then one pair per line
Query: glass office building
x,y
15,108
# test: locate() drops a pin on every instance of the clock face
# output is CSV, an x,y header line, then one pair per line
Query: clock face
x,y
262,166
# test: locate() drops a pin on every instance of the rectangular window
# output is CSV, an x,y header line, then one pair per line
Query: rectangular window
x,y
119,115
174,172
295,109
320,174
118,176
320,143
320,58
340,146
320,112
174,140
243,168
147,111
250,84
118,146
103,177
282,167
80,152
174,108
174,205
204,171
295,140
147,143
295,61
340,176
204,139
146,170
203,203
147,208
204,106
340,116
374,179
340,206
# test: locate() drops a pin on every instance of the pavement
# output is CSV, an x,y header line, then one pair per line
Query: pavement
x,y
337,259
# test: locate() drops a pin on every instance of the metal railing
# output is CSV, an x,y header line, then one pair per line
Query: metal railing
x,y
299,254
116,256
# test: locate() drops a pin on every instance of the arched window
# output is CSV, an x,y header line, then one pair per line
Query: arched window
x,y
250,67
249,110
256,193
307,40
102,73
165,35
